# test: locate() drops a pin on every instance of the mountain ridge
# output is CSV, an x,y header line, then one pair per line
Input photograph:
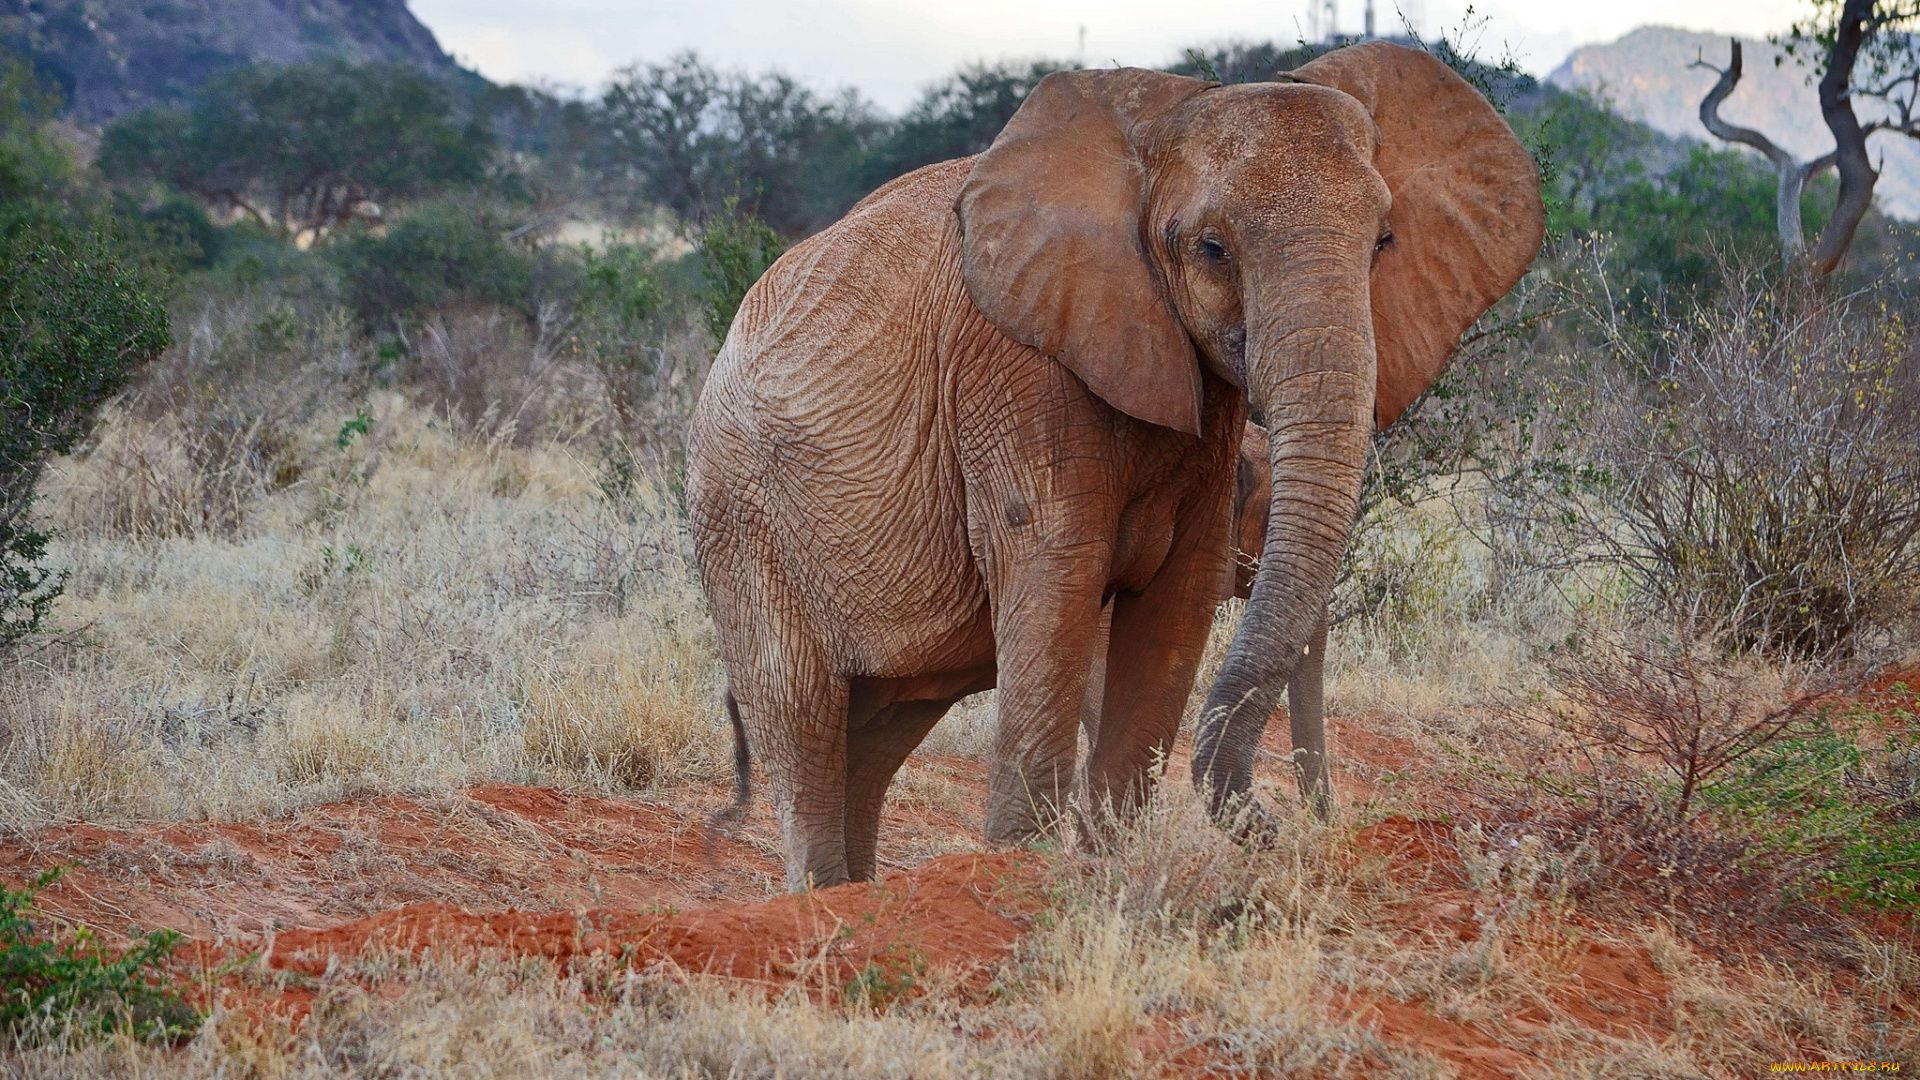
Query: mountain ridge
x,y
113,57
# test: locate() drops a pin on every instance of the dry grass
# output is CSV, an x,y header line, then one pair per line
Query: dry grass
x,y
1429,623
1168,951
417,607
966,730
621,713
306,611
1096,997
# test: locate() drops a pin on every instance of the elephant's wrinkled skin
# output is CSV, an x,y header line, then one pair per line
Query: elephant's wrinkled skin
x,y
1004,390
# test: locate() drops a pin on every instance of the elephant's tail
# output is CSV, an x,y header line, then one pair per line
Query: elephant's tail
x,y
742,773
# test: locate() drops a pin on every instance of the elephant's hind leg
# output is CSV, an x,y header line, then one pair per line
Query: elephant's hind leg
x,y
796,721
874,754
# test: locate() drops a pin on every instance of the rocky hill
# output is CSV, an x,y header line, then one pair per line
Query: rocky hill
x,y
115,56
1646,77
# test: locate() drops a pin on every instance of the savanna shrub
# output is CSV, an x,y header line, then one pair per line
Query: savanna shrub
x,y
73,986
735,249
1405,579
75,322
620,328
1767,475
1752,468
445,254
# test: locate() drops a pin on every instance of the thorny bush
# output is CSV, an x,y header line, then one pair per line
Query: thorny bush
x,y
1753,466
1728,788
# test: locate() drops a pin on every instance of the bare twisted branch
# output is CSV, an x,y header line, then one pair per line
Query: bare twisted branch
x,y
1710,112
1792,175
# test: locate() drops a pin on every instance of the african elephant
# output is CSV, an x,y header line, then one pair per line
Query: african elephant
x,y
1246,535
1004,390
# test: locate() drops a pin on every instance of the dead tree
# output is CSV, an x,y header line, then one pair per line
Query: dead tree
x,y
1793,174
1878,31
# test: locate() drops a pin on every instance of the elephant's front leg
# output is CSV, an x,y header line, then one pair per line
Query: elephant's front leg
x,y
1307,717
1153,652
1046,617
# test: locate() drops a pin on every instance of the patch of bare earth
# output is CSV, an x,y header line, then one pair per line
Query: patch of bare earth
x,y
585,880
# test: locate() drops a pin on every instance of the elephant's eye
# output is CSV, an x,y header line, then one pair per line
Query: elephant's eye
x,y
1213,249
1385,241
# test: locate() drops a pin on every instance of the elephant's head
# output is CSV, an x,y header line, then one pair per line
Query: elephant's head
x,y
1320,243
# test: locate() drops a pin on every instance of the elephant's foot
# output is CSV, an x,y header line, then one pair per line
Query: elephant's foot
x,y
1020,810
824,874
816,851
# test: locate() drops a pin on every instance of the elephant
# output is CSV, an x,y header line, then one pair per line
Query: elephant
x,y
1003,391
1246,533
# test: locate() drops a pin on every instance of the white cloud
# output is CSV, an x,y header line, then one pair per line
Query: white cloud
x,y
889,49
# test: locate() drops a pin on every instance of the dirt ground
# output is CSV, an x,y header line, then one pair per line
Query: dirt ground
x,y
270,909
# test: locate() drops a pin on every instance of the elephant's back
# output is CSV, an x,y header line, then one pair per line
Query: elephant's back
x,y
824,432
883,256
846,329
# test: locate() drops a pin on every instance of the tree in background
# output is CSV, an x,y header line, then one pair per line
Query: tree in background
x,y
693,137
32,167
77,317
1242,61
1671,210
304,148
1861,50
1596,153
955,117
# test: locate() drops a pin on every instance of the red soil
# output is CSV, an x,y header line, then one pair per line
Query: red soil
x,y
1600,983
493,846
532,871
527,871
955,911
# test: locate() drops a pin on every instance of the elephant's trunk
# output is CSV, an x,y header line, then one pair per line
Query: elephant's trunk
x,y
1310,369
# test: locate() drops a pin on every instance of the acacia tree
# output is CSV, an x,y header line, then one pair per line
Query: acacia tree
x,y
958,116
693,137
1863,51
303,148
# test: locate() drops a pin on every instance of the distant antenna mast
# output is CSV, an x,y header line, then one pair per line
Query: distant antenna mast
x,y
1082,58
1369,20
1328,19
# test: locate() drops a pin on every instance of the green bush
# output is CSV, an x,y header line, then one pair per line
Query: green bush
x,y
1847,811
1673,231
75,323
443,255
75,986
735,249
32,165
622,286
619,307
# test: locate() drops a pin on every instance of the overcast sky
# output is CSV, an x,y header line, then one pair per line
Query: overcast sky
x,y
889,49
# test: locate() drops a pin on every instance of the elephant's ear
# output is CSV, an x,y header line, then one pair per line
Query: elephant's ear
x,y
1466,218
1051,249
